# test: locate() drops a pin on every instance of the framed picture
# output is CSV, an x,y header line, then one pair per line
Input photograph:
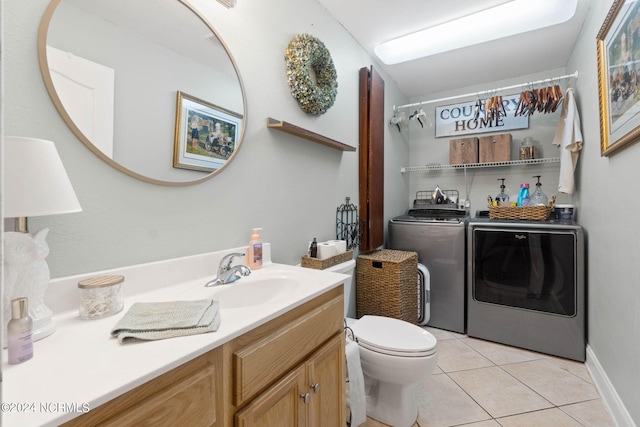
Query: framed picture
x,y
205,136
618,48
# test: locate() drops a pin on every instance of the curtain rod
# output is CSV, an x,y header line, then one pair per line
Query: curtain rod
x,y
466,95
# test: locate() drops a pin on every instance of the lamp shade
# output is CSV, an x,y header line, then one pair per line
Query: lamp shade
x,y
35,181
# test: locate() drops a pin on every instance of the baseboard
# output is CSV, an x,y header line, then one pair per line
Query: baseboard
x,y
612,401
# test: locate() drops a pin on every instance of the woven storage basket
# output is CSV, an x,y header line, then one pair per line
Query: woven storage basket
x,y
386,284
321,264
534,213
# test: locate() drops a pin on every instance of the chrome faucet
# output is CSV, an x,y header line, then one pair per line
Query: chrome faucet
x,y
228,274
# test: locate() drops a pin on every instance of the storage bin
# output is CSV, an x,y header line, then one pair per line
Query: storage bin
x,y
322,264
386,284
463,151
527,213
495,148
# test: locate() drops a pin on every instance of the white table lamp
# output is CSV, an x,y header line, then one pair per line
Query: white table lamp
x,y
35,184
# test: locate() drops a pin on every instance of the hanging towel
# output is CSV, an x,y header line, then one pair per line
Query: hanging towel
x,y
356,399
160,320
569,138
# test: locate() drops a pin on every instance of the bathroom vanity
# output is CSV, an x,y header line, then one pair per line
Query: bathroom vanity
x,y
277,363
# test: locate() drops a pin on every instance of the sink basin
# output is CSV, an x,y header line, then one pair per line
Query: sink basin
x,y
246,292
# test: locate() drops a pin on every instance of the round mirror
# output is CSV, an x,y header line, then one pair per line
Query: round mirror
x,y
147,85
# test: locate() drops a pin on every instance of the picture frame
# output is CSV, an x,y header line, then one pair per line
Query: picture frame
x,y
618,51
206,135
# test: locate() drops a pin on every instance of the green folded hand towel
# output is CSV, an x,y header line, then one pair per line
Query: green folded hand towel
x,y
160,320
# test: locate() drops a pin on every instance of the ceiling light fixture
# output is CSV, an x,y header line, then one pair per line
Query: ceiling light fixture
x,y
508,19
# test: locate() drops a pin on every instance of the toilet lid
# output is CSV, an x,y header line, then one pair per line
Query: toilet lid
x,y
393,336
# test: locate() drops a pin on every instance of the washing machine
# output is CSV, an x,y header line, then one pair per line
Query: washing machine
x,y
526,285
435,228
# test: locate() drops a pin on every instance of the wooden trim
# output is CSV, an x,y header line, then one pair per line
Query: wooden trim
x,y
371,174
363,159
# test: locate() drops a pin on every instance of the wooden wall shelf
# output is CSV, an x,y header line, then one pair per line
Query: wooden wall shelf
x,y
306,134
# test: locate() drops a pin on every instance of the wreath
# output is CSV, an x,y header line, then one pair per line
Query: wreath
x,y
306,56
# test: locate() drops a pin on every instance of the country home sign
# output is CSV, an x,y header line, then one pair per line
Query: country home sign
x,y
469,118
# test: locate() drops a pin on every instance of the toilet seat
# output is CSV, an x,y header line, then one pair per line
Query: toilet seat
x,y
393,337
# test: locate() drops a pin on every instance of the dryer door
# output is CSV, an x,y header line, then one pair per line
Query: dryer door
x,y
525,269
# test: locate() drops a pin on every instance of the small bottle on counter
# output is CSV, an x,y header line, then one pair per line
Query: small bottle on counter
x,y
19,331
313,249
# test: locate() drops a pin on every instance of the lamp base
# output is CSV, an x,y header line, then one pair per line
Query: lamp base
x,y
26,274
43,331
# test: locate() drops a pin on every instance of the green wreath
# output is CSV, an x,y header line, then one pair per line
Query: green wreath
x,y
305,56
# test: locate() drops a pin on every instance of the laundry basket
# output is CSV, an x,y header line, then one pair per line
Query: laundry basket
x,y
386,284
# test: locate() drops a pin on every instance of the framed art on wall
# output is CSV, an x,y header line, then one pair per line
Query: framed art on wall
x,y
205,134
618,48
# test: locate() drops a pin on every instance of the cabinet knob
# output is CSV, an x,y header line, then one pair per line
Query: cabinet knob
x,y
315,387
306,397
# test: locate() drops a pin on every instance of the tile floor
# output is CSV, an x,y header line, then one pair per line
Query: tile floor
x,y
483,384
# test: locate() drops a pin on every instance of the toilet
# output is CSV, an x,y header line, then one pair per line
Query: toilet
x,y
395,356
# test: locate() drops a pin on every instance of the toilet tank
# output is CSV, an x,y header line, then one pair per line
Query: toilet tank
x,y
349,297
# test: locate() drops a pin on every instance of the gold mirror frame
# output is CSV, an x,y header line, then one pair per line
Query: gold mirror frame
x,y
48,81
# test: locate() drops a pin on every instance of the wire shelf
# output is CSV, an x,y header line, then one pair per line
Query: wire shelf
x,y
427,168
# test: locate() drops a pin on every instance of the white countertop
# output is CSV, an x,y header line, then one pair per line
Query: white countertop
x,y
81,366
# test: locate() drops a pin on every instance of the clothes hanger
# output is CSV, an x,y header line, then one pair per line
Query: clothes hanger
x,y
415,115
418,114
477,107
398,119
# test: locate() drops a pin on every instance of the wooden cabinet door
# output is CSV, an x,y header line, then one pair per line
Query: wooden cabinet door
x,y
282,405
326,375
188,402
371,158
189,395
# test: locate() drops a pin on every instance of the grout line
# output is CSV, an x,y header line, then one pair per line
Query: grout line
x,y
553,406
542,356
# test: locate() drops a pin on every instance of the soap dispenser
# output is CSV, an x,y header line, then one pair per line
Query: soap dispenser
x,y
538,198
502,199
254,252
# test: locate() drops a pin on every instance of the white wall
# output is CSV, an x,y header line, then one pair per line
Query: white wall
x,y
607,206
477,184
289,186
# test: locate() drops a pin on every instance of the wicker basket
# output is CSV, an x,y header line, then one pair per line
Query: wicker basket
x,y
386,285
321,264
532,213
